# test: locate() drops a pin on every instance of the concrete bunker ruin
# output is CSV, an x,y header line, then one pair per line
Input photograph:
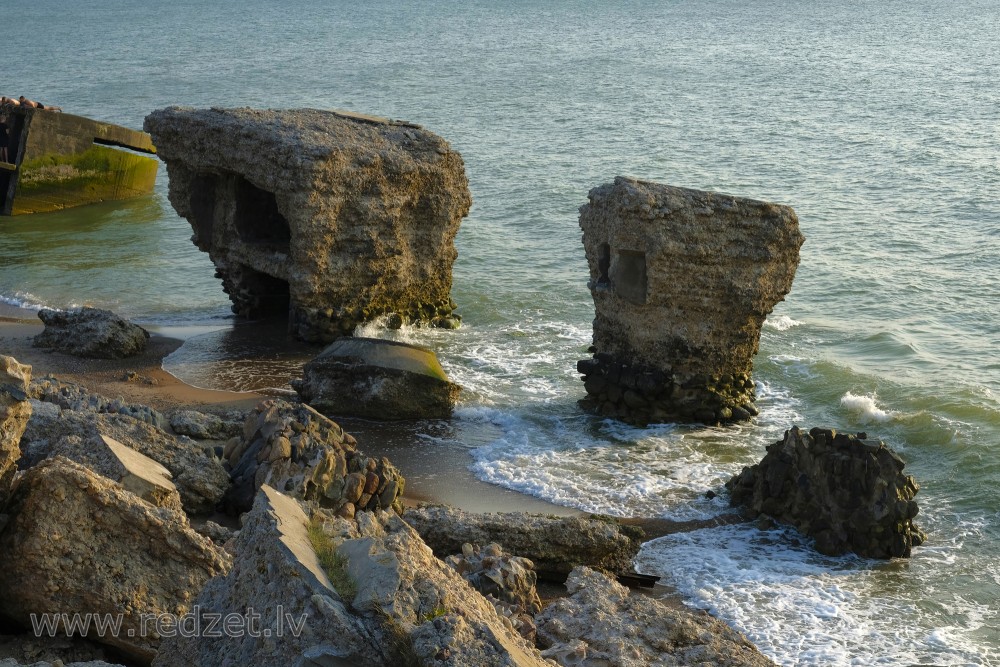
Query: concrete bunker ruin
x,y
682,281
334,219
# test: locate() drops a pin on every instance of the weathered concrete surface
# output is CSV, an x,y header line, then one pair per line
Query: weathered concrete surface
x,y
201,481
334,218
276,572
847,492
554,545
91,332
682,281
135,472
600,624
403,606
377,379
300,452
78,542
15,411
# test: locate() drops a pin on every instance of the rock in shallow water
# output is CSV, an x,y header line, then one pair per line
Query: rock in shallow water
x,y
377,379
847,492
331,218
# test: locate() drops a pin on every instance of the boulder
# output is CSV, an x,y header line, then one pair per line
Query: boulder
x,y
300,452
201,480
682,281
377,379
15,411
600,624
137,473
847,492
555,545
331,218
10,662
28,649
80,543
90,332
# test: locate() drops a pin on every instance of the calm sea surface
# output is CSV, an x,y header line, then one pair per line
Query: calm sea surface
x,y
879,122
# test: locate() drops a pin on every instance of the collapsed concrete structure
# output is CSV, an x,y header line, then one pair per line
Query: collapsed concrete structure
x,y
846,491
682,281
335,218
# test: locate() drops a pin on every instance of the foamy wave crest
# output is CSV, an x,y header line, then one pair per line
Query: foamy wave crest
x,y
866,408
24,300
781,323
802,608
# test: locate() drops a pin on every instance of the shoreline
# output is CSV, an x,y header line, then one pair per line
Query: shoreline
x,y
436,477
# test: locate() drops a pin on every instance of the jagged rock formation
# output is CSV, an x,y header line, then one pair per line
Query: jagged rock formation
x,y
203,426
78,542
555,545
71,396
92,333
297,450
847,492
200,479
600,624
377,379
10,662
15,411
682,281
393,602
334,218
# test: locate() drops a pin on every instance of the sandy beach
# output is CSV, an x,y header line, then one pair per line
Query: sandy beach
x,y
438,476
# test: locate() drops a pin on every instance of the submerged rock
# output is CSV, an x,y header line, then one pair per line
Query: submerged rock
x,y
333,218
600,624
377,379
682,281
300,452
15,411
555,545
80,543
92,333
847,492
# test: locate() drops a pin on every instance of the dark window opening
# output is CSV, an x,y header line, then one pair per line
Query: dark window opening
x,y
258,220
10,141
628,274
603,265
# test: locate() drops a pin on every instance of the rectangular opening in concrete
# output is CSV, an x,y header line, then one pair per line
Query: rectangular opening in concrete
x,y
628,275
258,220
204,191
262,295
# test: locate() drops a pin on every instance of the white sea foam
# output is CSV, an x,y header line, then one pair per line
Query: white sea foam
x,y
24,300
866,409
781,323
802,608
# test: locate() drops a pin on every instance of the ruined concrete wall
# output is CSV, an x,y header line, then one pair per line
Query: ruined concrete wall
x,y
682,281
847,492
336,218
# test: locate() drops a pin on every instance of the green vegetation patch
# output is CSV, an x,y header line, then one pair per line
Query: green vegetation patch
x,y
332,561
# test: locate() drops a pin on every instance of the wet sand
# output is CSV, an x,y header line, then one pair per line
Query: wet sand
x,y
434,472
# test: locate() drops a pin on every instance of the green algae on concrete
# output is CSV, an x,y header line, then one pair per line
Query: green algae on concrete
x,y
62,160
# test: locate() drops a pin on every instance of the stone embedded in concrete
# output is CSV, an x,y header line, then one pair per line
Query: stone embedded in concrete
x,y
15,411
847,492
377,379
90,332
304,454
333,218
682,281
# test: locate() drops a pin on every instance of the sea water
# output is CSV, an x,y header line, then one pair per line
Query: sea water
x,y
877,121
